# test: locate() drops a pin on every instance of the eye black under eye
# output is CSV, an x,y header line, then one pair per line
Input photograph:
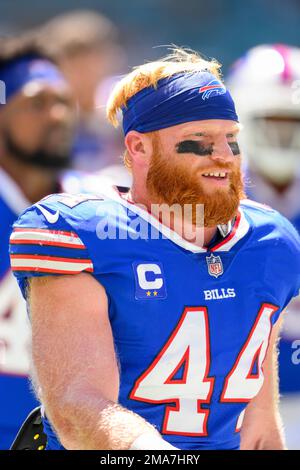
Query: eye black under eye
x,y
193,146
234,148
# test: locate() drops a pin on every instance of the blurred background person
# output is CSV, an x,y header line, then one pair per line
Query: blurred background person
x,y
38,122
86,46
36,130
264,84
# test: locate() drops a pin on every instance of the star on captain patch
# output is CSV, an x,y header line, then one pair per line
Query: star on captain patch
x,y
214,265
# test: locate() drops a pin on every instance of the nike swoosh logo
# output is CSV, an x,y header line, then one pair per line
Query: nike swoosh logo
x,y
51,218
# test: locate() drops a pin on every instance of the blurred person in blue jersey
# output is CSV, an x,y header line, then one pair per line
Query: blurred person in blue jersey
x,y
36,126
87,47
156,310
265,83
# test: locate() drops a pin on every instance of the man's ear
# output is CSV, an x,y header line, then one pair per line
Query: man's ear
x,y
139,147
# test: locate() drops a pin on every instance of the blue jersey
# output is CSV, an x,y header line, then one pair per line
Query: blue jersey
x,y
191,325
288,369
16,398
296,223
288,204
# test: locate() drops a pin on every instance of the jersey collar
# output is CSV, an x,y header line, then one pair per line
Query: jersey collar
x,y
232,232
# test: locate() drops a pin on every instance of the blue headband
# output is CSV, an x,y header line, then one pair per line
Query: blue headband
x,y
17,73
180,98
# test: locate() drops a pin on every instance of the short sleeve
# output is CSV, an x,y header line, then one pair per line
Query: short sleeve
x,y
44,243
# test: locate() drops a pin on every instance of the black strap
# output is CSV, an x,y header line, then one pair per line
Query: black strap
x,y
31,436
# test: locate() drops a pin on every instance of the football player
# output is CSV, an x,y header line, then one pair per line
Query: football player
x,y
146,336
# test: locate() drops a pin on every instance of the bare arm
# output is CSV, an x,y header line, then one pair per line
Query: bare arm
x,y
75,364
262,427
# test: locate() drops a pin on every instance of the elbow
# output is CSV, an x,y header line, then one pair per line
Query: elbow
x,y
71,416
62,418
64,414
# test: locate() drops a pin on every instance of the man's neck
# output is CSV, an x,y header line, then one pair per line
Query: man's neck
x,y
35,183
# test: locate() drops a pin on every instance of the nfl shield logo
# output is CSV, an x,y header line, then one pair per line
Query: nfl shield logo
x,y
215,265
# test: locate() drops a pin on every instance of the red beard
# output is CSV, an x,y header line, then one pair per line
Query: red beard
x,y
179,184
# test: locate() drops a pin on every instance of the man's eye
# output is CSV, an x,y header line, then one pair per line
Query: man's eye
x,y
38,104
234,148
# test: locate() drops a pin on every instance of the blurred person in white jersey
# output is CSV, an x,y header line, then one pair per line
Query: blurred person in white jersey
x,y
265,84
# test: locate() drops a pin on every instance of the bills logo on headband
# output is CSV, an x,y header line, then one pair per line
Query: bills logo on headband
x,y
215,265
212,88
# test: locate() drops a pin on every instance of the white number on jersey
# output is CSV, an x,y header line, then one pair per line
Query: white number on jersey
x,y
241,384
188,350
14,329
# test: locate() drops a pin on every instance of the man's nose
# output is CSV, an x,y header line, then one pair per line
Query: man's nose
x,y
222,153
59,113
